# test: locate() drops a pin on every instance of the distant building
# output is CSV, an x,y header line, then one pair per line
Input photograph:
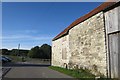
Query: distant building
x,y
92,42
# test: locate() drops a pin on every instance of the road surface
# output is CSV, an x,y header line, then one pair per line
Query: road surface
x,y
33,71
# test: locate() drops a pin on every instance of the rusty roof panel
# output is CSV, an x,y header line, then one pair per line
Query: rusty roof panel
x,y
83,18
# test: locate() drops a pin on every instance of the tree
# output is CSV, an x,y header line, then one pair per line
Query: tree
x,y
5,51
43,52
46,50
14,52
34,52
23,52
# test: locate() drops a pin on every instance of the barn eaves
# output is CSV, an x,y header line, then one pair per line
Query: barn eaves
x,y
100,8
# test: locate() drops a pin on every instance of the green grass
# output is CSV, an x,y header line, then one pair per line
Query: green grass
x,y
15,58
74,73
27,59
79,74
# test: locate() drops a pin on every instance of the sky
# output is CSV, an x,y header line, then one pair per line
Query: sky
x,y
35,23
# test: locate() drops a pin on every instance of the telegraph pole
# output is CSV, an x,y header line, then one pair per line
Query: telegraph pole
x,y
18,49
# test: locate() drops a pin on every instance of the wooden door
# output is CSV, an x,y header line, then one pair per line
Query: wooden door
x,y
113,47
112,26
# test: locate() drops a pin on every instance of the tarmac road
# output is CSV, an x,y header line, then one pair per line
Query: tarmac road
x,y
32,72
37,71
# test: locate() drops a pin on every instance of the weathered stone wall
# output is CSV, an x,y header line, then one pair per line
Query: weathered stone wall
x,y
60,51
87,45
84,46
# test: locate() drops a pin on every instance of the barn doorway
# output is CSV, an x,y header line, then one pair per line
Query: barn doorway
x,y
114,54
112,26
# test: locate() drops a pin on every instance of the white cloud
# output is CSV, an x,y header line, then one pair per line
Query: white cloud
x,y
29,31
26,37
26,41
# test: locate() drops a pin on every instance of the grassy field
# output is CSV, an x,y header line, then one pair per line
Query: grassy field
x,y
27,59
15,58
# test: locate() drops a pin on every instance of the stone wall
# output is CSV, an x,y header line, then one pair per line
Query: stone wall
x,y
60,51
84,46
87,45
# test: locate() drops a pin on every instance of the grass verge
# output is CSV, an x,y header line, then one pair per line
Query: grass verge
x,y
74,73
80,74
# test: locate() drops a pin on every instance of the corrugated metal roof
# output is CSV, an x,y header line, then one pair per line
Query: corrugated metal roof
x,y
83,18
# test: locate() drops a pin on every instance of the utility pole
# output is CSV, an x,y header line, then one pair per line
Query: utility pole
x,y
18,49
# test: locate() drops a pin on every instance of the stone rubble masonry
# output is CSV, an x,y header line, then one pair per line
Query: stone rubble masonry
x,y
57,47
85,46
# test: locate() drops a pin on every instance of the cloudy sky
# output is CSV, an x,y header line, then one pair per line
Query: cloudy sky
x,y
35,23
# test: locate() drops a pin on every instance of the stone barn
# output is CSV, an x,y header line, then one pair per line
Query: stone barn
x,y
91,42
